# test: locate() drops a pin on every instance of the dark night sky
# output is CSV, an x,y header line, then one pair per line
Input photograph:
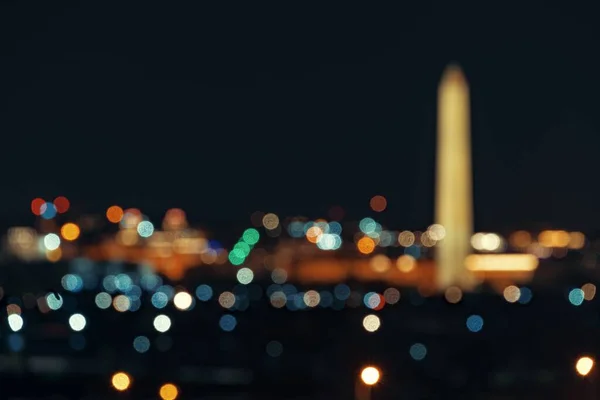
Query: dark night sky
x,y
295,109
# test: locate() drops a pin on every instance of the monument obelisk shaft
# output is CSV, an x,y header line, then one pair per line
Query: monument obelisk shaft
x,y
454,198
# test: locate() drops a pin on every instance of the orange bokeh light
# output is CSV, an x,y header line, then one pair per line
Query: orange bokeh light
x,y
114,214
366,245
36,206
168,391
62,204
70,231
313,233
378,203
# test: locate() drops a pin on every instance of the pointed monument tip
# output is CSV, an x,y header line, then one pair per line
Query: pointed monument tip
x,y
453,72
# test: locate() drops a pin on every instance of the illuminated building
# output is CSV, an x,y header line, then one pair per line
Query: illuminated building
x,y
453,208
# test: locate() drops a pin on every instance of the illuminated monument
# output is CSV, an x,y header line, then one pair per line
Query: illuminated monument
x,y
454,198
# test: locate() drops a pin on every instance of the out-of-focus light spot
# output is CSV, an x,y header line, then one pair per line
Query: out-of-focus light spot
x,y
501,262
48,210
453,295
103,300
51,241
391,295
486,241
418,351
576,240
406,263
121,303
70,231
251,236
371,323
576,297
270,221
237,256
512,294
13,309
312,298
475,323
16,342
204,292
380,263
121,381
227,322
141,344
72,282
274,348
329,241
341,291
378,203
279,276
278,299
584,365
526,295
367,225
114,214
437,232
370,376
62,204
36,206
145,229
15,322
226,300
159,300
77,322
183,301
427,240
53,301
54,255
162,323
589,291
372,300
245,276
313,233
168,391
406,238
365,245
520,239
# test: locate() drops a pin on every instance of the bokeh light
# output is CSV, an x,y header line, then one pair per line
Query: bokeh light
x,y
378,203
114,214
121,381
370,375
70,231
168,391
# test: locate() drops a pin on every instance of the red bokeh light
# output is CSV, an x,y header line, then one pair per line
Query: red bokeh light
x,y
62,204
36,206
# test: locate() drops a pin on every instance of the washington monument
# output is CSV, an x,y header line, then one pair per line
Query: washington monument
x,y
454,197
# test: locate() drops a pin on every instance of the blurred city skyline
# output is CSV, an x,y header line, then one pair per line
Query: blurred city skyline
x,y
223,113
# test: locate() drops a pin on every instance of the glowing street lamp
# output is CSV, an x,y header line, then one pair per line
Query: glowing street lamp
x,y
584,366
369,376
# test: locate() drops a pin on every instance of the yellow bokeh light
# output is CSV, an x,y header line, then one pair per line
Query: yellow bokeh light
x,y
520,239
168,391
584,366
114,214
70,231
121,381
577,240
380,263
406,263
365,245
370,375
54,255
